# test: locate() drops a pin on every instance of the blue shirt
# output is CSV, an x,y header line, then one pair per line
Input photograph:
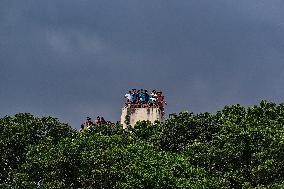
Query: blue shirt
x,y
142,97
134,97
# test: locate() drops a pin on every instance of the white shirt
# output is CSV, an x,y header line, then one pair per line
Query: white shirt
x,y
128,96
154,97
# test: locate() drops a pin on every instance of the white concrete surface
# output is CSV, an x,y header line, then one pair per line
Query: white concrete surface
x,y
140,114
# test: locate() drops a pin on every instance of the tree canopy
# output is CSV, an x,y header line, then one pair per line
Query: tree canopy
x,y
236,147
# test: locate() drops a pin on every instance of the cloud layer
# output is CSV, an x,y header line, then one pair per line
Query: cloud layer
x,y
71,59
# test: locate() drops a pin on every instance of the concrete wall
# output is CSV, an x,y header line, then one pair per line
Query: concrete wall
x,y
140,114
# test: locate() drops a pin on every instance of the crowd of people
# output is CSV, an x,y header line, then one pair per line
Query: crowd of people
x,y
142,99
99,121
134,99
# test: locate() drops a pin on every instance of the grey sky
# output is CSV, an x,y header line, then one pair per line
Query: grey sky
x,y
74,58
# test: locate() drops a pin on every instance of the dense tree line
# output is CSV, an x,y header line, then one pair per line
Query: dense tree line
x,y
236,147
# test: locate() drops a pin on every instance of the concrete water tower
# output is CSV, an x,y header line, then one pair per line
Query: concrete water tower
x,y
130,116
141,106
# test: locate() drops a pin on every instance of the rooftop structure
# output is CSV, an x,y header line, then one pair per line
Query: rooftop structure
x,y
130,116
141,106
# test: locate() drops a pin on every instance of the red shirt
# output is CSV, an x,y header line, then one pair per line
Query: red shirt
x,y
161,98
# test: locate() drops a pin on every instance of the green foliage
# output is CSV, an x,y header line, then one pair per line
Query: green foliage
x,y
19,132
248,148
236,147
181,130
145,131
127,117
106,129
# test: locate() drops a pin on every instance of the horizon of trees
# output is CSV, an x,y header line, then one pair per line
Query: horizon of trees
x,y
236,147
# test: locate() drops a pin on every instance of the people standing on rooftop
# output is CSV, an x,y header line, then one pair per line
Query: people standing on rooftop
x,y
141,99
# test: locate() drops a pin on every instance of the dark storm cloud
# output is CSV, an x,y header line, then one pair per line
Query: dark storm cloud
x,y
70,59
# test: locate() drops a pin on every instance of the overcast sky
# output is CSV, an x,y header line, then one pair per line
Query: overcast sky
x,y
75,58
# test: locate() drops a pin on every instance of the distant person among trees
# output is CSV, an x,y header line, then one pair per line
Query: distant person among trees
x,y
103,120
82,127
98,120
88,123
